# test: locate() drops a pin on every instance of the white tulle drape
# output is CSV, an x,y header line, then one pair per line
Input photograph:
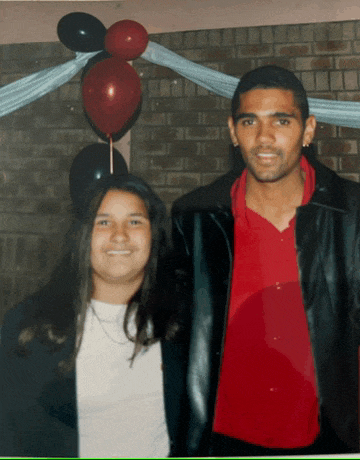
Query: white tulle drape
x,y
26,90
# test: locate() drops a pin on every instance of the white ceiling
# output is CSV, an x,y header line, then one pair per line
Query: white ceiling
x,y
36,21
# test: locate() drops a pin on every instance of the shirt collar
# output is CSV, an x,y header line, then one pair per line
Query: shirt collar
x,y
238,189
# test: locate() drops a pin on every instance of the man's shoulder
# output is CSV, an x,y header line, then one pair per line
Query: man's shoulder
x,y
349,188
207,197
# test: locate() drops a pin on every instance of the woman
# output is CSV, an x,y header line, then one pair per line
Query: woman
x,y
81,359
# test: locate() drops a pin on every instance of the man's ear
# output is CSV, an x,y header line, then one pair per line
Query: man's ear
x,y
309,132
232,131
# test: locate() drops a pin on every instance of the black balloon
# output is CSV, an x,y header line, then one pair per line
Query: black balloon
x,y
90,164
81,32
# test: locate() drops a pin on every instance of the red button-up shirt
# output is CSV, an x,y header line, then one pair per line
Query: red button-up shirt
x,y
267,392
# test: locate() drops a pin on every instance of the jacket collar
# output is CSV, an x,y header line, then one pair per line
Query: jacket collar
x,y
328,189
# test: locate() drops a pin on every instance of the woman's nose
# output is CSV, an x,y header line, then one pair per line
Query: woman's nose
x,y
119,232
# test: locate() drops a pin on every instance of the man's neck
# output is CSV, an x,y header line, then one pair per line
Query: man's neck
x,y
276,201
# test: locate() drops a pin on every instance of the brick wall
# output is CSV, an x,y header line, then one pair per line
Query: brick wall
x,y
37,146
181,140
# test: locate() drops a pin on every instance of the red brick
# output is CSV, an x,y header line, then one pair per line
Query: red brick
x,y
155,177
324,131
167,163
214,148
336,147
293,51
353,177
322,95
201,164
255,50
183,148
151,118
184,119
321,63
349,63
183,179
214,118
167,133
217,54
169,194
167,104
149,148
349,96
209,178
333,46
350,164
281,62
237,67
350,133
202,103
330,162
202,132
48,207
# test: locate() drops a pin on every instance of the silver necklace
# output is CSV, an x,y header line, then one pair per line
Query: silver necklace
x,y
103,328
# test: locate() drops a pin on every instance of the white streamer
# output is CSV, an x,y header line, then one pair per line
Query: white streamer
x,y
26,90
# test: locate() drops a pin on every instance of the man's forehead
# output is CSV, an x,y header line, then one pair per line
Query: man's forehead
x,y
268,101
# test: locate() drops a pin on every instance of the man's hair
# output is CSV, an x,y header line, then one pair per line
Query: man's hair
x,y
268,77
62,303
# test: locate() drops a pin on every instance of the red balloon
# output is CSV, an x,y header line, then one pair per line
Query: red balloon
x,y
111,92
126,39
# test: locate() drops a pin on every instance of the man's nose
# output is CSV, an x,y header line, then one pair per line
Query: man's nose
x,y
265,132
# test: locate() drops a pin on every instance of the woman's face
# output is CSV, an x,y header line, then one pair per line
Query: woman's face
x,y
121,240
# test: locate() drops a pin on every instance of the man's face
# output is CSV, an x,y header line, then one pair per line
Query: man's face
x,y
270,133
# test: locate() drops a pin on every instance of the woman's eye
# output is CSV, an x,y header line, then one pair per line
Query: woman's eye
x,y
134,222
103,223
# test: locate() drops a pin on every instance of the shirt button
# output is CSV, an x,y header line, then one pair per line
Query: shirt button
x,y
277,284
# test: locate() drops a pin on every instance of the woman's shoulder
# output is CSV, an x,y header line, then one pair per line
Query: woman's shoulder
x,y
18,317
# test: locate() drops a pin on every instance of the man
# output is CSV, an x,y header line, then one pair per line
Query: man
x,y
273,248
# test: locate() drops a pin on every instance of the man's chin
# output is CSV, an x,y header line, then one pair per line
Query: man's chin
x,y
266,177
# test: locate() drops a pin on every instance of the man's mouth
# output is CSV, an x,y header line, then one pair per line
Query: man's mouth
x,y
266,155
266,158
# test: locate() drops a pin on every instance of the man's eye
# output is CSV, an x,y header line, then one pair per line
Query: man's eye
x,y
247,122
283,121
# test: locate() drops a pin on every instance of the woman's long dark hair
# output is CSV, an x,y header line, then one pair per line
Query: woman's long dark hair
x,y
59,308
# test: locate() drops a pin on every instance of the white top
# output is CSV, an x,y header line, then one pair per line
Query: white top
x,y
121,408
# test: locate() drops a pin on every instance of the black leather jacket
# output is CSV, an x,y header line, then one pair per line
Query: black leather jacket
x,y
327,241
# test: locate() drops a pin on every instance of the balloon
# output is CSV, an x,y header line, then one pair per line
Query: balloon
x,y
92,61
128,125
111,92
119,134
81,32
90,164
126,39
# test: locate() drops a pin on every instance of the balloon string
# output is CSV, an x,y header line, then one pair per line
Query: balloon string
x,y
111,156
